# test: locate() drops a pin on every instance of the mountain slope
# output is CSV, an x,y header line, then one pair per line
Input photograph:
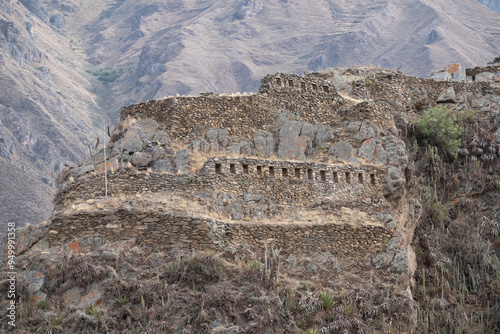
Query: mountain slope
x,y
491,4
186,47
47,110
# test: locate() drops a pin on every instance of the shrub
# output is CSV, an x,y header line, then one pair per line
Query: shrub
x,y
92,310
327,299
438,213
443,128
255,266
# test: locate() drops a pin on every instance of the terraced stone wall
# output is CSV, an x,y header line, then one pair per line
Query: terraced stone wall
x,y
310,99
166,232
284,182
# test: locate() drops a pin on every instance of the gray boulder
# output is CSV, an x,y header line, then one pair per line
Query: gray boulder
x,y
214,140
342,150
394,182
181,161
366,131
441,75
147,126
292,143
485,77
367,149
132,141
243,148
353,126
264,143
322,135
141,159
160,137
380,155
158,153
396,153
447,96
163,165
459,75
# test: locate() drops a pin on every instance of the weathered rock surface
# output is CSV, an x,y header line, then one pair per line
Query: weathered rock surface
x,y
342,150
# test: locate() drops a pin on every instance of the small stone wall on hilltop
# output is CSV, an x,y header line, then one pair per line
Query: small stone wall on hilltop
x,y
297,183
310,99
410,93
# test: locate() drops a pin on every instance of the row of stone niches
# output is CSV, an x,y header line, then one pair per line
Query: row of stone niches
x,y
298,173
291,84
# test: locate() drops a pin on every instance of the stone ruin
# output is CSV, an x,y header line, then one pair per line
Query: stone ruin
x,y
311,164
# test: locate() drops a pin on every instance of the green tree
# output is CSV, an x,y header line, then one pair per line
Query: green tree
x,y
443,128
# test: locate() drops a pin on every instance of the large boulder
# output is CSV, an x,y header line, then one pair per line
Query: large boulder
x,y
264,143
342,150
441,75
394,182
163,165
141,159
131,142
181,161
161,138
147,126
322,135
380,155
447,96
396,152
367,149
295,140
214,140
366,130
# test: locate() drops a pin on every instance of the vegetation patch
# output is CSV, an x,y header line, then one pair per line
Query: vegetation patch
x,y
106,74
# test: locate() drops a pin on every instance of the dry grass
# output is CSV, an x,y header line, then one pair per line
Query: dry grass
x,y
186,204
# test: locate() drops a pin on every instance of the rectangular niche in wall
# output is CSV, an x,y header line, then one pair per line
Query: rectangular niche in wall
x,y
259,170
284,172
322,174
325,89
303,85
315,87
245,168
297,173
335,177
232,168
218,168
271,170
310,174
360,177
372,178
290,83
278,81
347,177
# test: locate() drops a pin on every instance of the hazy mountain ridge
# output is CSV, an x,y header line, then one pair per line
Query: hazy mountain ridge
x,y
491,4
188,48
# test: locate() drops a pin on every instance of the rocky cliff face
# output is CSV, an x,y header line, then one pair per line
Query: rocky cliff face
x,y
45,110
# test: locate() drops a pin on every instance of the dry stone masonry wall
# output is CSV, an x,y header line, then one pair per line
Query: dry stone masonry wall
x,y
283,182
167,231
310,99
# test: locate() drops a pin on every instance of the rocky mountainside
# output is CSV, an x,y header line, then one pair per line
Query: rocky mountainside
x,y
47,110
69,65
349,200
